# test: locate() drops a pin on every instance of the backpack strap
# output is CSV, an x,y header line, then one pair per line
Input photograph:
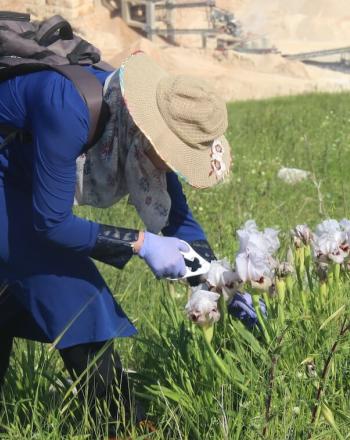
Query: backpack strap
x,y
49,28
11,133
12,15
82,54
87,85
91,91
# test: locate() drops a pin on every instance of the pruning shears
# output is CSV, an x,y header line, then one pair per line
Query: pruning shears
x,y
195,263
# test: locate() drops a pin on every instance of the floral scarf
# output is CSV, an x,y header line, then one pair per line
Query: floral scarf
x,y
117,166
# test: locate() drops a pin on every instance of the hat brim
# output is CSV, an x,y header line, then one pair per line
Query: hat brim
x,y
139,77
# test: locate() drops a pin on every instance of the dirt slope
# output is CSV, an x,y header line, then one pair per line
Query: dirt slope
x,y
297,26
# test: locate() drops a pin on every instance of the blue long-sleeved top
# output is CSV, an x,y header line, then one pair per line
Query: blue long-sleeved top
x,y
49,106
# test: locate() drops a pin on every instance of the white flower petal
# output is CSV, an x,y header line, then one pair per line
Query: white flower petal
x,y
250,226
345,226
257,241
242,266
215,276
250,238
271,240
337,257
243,238
252,266
327,226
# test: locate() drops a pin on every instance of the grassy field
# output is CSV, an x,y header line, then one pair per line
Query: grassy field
x,y
186,395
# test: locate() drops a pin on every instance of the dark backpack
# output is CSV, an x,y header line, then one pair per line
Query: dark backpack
x,y
30,46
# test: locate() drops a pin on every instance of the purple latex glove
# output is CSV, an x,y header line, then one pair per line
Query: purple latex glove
x,y
163,256
241,307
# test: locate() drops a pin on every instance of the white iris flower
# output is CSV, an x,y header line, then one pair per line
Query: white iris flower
x,y
254,261
222,278
329,241
202,307
301,235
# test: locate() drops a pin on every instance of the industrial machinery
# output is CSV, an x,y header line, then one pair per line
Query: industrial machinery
x,y
225,21
156,17
335,59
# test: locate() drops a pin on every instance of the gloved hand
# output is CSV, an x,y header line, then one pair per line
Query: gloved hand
x,y
241,307
163,256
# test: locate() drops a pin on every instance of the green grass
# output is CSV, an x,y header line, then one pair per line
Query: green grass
x,y
309,132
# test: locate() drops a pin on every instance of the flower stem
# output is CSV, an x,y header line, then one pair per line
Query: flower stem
x,y
289,285
261,320
323,292
217,360
300,265
307,259
336,271
330,279
220,364
281,292
223,313
267,301
208,332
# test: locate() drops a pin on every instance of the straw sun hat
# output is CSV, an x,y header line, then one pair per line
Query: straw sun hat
x,y
181,116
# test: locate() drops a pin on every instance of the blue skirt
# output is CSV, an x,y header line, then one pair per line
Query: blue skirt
x,y
57,295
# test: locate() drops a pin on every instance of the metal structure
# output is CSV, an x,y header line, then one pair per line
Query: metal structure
x,y
314,58
157,17
318,54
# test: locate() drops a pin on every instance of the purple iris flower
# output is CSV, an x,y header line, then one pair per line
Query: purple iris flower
x,y
241,307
